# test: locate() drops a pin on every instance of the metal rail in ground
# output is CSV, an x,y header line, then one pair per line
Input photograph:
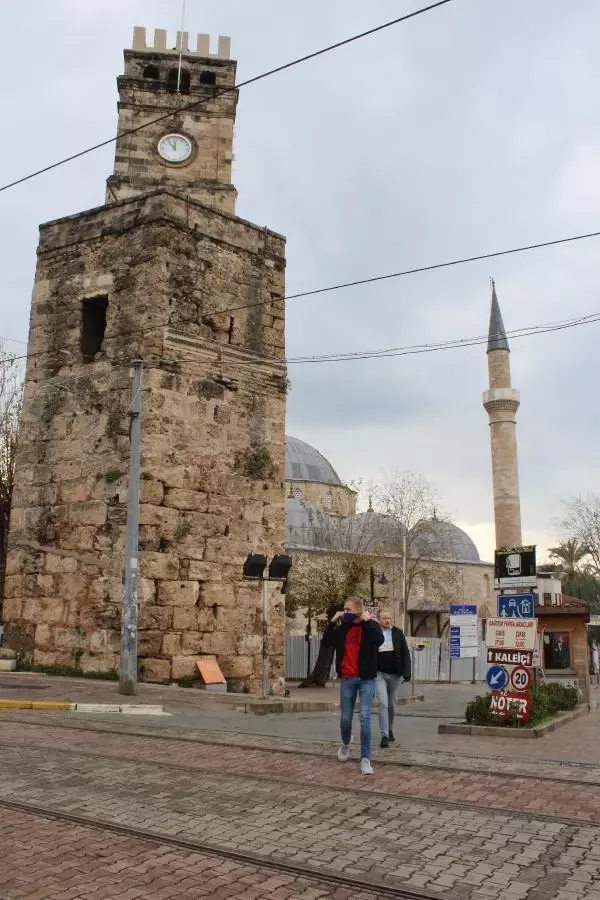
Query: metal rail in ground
x,y
319,875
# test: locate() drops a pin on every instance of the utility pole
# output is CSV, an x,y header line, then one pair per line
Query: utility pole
x,y
128,658
265,638
404,601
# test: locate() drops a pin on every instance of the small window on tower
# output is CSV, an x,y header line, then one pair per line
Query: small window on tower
x,y
93,326
178,82
208,78
151,72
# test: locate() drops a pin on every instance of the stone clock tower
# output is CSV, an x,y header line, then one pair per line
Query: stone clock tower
x,y
165,273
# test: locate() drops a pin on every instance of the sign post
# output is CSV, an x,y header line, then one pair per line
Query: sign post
x,y
515,568
464,631
415,645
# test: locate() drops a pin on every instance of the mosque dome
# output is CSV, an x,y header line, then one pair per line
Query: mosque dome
x,y
443,540
305,463
309,527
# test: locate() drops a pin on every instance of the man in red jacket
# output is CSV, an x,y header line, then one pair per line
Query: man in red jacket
x,y
356,639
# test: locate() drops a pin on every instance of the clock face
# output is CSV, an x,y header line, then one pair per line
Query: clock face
x,y
175,148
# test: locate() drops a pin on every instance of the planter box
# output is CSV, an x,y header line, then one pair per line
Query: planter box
x,y
537,731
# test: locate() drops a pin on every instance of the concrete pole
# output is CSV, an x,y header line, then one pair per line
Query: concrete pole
x,y
265,672
403,592
128,658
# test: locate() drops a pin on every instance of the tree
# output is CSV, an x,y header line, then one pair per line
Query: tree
x,y
580,552
410,503
11,395
332,569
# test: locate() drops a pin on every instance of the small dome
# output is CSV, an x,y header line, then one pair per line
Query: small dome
x,y
374,532
305,463
443,540
306,526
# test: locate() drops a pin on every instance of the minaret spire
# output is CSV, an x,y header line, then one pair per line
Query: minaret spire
x,y
497,339
501,402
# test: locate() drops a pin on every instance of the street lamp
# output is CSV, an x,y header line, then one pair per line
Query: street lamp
x,y
381,579
254,569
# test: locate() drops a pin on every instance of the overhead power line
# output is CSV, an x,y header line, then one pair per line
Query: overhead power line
x,y
138,332
197,103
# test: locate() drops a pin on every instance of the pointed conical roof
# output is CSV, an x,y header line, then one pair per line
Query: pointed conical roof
x,y
497,339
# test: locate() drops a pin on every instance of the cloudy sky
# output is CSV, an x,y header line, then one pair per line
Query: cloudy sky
x,y
470,129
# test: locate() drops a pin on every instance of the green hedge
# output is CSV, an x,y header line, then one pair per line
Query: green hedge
x,y
547,701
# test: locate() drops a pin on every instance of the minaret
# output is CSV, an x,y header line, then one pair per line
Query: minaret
x,y
501,403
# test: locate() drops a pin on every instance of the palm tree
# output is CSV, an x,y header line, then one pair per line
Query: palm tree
x,y
570,554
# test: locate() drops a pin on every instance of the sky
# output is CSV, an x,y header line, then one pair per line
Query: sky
x,y
469,129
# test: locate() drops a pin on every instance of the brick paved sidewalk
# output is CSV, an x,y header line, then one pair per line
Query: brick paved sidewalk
x,y
466,854
48,860
580,802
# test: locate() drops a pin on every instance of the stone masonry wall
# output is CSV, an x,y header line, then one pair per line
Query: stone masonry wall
x,y
213,408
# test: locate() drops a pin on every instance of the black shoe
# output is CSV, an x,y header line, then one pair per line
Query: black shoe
x,y
391,737
384,741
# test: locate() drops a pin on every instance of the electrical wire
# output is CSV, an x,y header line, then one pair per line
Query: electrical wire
x,y
343,285
194,105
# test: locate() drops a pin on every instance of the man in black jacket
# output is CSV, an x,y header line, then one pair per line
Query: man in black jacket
x,y
355,639
393,664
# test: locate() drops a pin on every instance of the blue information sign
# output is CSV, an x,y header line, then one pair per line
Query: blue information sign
x,y
516,606
497,678
463,610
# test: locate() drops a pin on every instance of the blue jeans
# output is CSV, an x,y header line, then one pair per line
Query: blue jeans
x,y
386,687
349,688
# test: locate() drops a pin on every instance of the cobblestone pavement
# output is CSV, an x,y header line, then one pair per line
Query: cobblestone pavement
x,y
48,860
404,825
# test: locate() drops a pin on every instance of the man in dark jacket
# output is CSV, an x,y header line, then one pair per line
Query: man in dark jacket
x,y
393,664
355,639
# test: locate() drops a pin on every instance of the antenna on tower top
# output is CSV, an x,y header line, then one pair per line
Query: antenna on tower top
x,y
180,46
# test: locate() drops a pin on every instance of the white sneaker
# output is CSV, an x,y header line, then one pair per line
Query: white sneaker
x,y
343,753
365,767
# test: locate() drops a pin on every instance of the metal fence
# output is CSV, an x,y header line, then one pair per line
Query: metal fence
x,y
430,664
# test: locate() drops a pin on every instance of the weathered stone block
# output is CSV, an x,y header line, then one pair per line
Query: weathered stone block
x,y
98,640
219,643
152,491
184,619
92,512
157,671
183,666
105,662
156,618
163,566
149,643
249,645
146,590
12,608
186,500
178,593
44,636
52,610
192,642
236,666
201,571
217,592
60,564
171,645
150,514
70,639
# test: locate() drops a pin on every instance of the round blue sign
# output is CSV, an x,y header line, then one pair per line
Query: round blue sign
x,y
497,678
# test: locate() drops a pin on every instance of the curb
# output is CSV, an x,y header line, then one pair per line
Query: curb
x,y
539,731
66,706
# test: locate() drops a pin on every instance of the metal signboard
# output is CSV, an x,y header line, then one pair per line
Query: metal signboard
x,y
516,606
510,657
511,634
497,678
520,678
416,643
463,639
594,621
515,567
504,702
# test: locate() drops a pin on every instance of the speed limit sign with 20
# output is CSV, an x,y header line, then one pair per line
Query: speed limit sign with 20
x,y
520,678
